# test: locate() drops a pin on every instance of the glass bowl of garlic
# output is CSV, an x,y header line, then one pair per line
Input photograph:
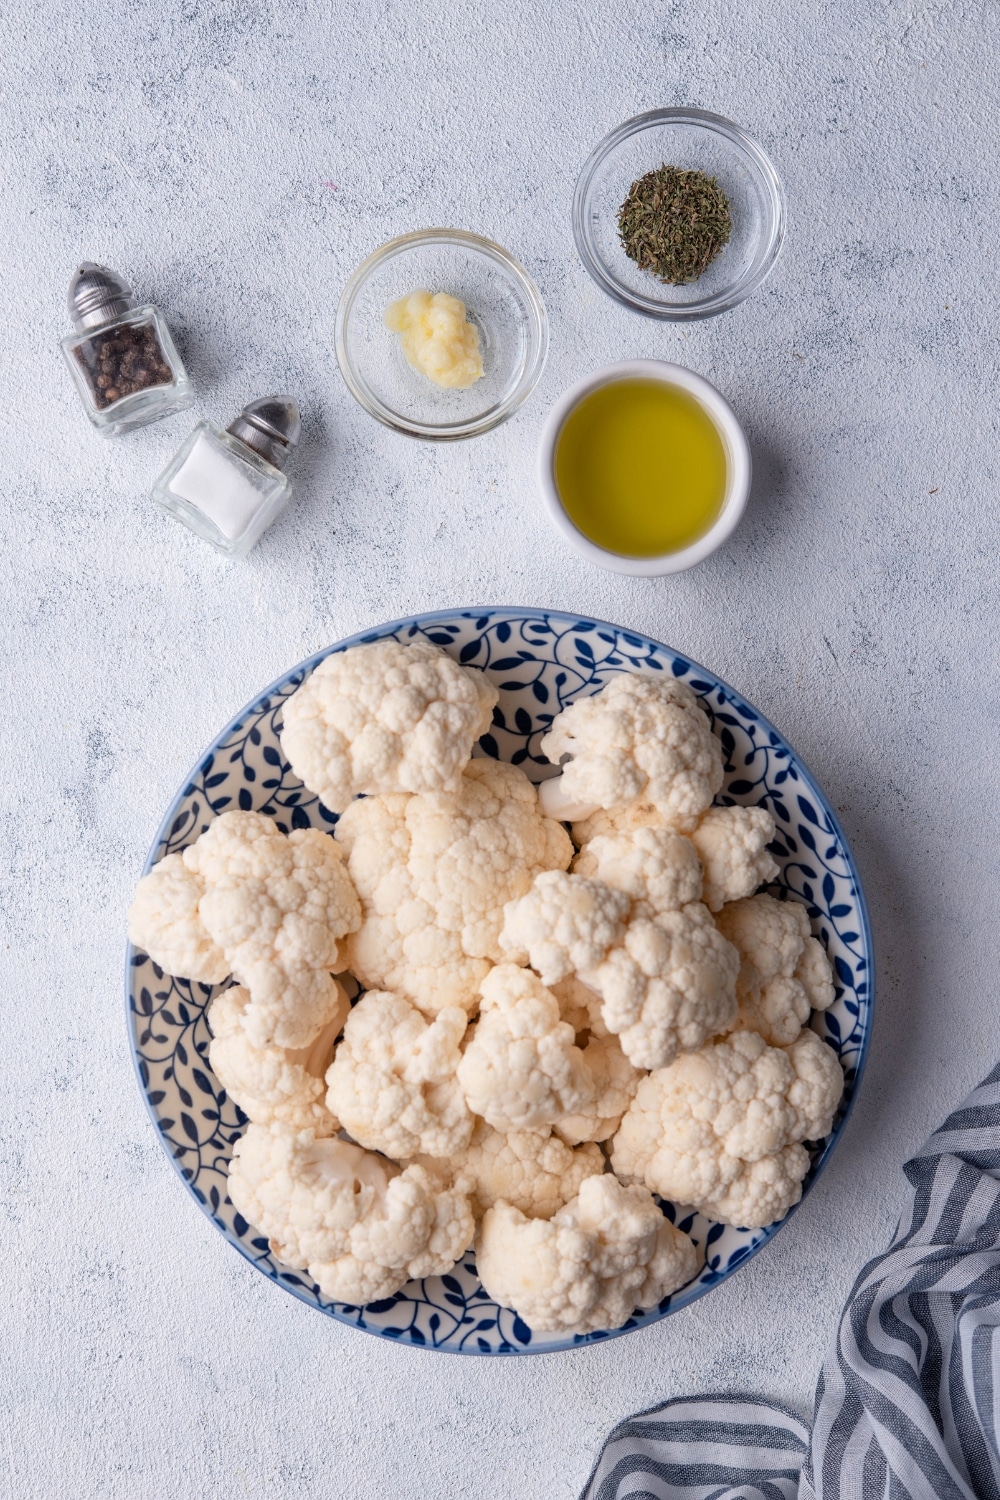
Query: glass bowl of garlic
x,y
441,334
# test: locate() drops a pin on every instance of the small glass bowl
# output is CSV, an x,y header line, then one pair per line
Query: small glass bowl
x,y
695,140
500,298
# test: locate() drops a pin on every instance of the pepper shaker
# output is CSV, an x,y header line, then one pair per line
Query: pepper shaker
x,y
228,486
121,357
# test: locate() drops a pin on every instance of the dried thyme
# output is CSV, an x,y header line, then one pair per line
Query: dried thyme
x,y
674,223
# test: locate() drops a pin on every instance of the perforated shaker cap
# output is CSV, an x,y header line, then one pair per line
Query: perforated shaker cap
x,y
270,426
97,295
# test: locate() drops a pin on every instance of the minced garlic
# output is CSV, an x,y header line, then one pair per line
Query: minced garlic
x,y
438,340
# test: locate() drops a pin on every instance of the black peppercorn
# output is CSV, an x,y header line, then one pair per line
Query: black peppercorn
x,y
121,361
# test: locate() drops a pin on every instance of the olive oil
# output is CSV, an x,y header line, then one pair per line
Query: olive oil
x,y
641,468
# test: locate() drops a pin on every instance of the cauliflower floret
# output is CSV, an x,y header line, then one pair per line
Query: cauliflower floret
x,y
669,986
433,873
289,1003
591,1266
815,974
565,923
818,1085
423,1227
615,821
163,921
580,1006
531,1169
643,737
732,845
720,1129
762,1191
659,869
278,907
306,1194
769,934
385,717
392,1082
784,971
270,909
273,1083
356,1282
522,1067
360,1226
776,1011
615,1081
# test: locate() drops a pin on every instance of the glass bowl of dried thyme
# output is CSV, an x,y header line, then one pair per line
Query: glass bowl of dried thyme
x,y
678,214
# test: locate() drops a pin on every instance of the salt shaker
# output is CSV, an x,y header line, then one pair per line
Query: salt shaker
x,y
121,357
228,486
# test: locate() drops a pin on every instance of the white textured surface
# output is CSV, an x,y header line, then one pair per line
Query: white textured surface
x,y
196,147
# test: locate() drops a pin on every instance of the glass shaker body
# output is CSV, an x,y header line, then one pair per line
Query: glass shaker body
x,y
225,492
128,371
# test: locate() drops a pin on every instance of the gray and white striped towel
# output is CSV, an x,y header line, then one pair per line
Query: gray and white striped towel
x,y
908,1402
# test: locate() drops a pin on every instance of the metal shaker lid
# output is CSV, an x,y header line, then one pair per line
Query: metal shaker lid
x,y
97,295
270,426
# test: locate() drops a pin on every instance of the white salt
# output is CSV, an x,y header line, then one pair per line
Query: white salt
x,y
219,486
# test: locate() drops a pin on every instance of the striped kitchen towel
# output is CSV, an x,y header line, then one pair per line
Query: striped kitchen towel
x,y
908,1401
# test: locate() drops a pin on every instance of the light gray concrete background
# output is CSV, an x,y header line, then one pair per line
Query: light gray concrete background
x,y
237,160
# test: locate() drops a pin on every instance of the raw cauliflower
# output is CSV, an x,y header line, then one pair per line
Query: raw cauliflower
x,y
564,924
669,985
360,1226
522,1068
615,821
720,1129
591,1266
278,906
433,873
533,1170
732,845
275,906
659,869
273,1083
784,971
615,1081
385,717
306,1194
392,1083
163,921
644,738
580,1006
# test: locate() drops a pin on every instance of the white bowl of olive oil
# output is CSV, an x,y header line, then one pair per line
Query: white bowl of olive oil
x,y
644,468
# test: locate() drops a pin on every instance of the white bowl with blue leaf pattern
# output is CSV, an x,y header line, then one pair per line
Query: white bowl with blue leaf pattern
x,y
541,661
